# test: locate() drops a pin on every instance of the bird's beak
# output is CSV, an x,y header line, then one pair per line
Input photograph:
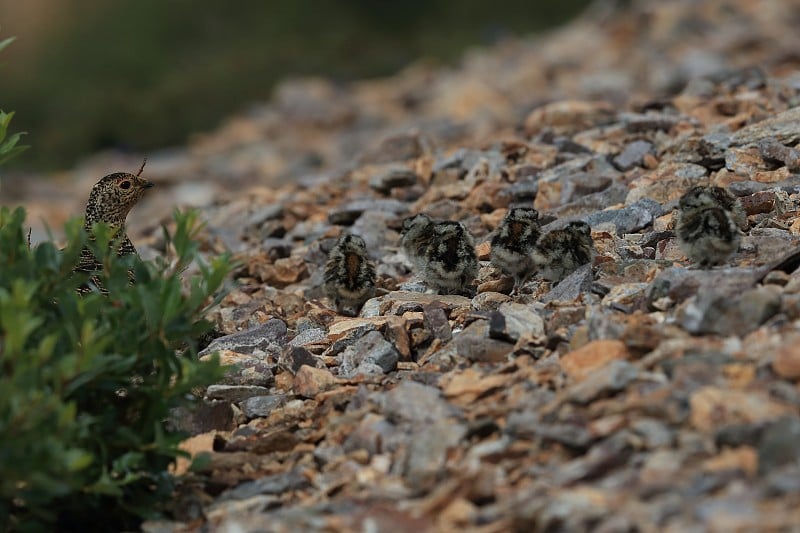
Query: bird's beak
x,y
147,184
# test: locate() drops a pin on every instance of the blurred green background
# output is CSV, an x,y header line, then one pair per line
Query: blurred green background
x,y
86,75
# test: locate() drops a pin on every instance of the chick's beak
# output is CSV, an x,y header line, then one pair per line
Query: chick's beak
x,y
147,184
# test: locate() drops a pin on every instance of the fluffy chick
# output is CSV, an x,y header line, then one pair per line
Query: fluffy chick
x,y
559,252
707,230
110,202
415,237
450,264
349,276
513,243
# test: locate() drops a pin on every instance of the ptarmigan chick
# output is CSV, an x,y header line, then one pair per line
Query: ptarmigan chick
x,y
415,237
349,276
450,263
559,252
110,202
513,243
706,226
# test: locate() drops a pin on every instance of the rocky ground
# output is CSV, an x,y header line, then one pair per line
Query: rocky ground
x,y
636,395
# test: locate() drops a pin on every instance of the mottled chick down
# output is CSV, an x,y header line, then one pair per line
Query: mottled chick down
x,y
110,202
559,252
450,263
349,276
513,243
415,237
707,226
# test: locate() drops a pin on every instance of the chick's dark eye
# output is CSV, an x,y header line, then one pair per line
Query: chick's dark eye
x,y
125,185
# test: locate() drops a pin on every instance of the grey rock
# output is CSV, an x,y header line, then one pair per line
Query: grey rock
x,y
644,122
414,402
679,283
724,313
602,457
392,177
261,406
632,155
273,484
348,213
276,248
399,147
265,213
426,458
489,301
349,338
571,287
611,378
234,393
778,445
202,417
266,338
372,227
436,321
781,127
474,344
773,150
653,432
464,159
371,349
522,191
293,357
513,320
628,219
308,336
250,372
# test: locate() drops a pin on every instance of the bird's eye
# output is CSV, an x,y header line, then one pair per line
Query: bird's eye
x,y
125,185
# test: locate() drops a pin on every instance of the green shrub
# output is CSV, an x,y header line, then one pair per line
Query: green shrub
x,y
8,147
88,381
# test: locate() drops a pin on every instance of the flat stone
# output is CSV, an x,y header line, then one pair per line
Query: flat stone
x,y
778,445
261,406
608,379
474,344
392,177
310,381
294,357
713,407
513,320
348,213
417,403
572,287
371,349
632,155
436,321
678,283
628,219
787,359
266,338
580,363
234,393
727,314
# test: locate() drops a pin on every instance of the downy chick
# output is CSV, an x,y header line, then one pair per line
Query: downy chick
x,y
706,225
513,243
450,263
559,252
349,276
415,237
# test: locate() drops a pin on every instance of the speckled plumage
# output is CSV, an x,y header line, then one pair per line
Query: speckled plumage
x,y
559,252
708,225
450,263
349,276
110,202
415,237
513,243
